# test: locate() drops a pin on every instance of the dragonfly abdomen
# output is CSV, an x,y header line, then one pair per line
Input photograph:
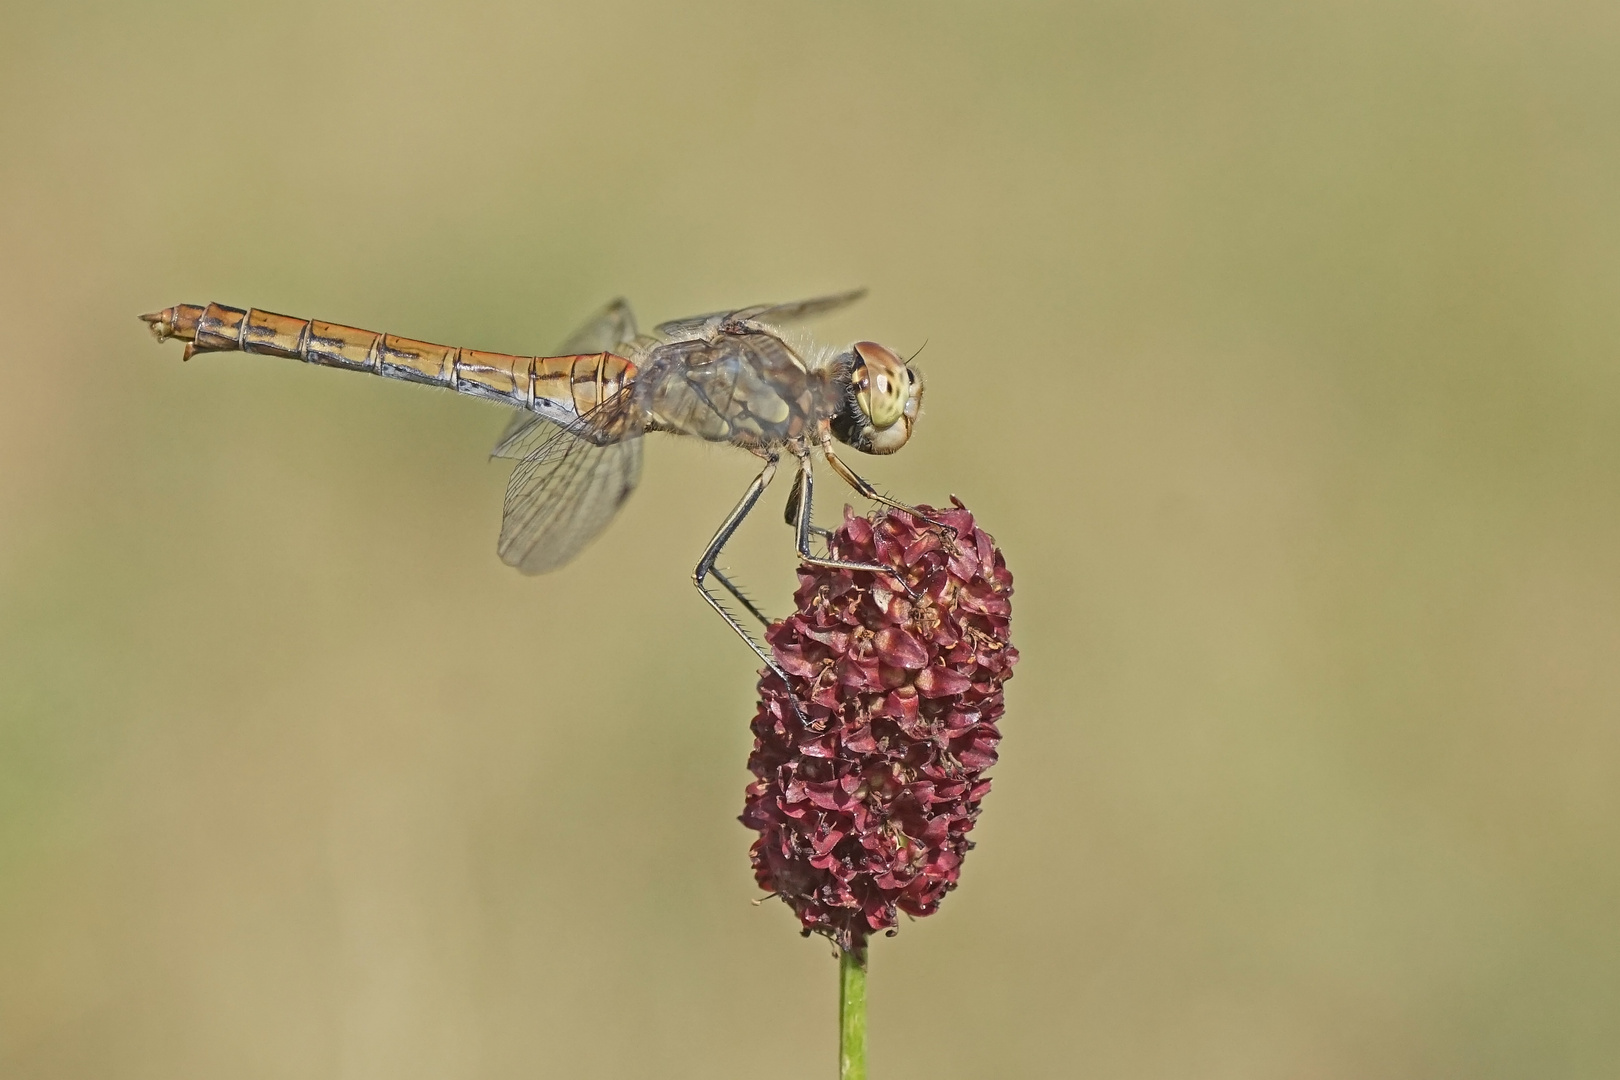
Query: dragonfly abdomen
x,y
560,387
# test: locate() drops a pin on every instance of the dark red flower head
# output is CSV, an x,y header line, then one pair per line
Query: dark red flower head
x,y
864,796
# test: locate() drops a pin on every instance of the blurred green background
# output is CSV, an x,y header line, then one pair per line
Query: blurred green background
x,y
1275,343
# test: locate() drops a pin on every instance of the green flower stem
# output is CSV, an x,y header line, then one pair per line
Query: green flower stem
x,y
852,1014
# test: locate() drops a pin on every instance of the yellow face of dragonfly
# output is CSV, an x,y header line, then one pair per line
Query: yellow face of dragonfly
x,y
888,395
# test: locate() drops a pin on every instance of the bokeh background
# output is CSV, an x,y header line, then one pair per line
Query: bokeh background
x,y
1276,343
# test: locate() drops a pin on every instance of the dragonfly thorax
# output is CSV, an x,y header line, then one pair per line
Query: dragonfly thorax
x,y
881,400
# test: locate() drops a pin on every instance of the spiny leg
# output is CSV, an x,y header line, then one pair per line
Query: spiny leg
x,y
865,488
705,565
806,480
740,596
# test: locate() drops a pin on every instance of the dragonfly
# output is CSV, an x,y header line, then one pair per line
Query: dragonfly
x,y
735,377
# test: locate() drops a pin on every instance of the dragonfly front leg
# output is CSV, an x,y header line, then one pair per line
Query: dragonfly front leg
x,y
705,566
803,485
860,484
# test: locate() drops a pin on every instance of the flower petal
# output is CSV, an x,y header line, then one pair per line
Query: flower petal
x,y
900,648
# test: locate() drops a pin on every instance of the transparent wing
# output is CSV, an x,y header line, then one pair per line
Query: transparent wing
x,y
609,327
525,433
566,489
772,313
677,328
604,331
804,309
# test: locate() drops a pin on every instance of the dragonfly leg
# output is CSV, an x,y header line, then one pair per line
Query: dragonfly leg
x,y
740,596
705,565
862,485
791,512
806,480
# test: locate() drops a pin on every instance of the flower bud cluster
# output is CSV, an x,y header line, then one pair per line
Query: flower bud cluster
x,y
865,793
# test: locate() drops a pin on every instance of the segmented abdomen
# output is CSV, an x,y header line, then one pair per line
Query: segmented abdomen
x,y
561,387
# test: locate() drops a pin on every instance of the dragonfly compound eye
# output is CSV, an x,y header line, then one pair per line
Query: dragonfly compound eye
x,y
886,398
881,384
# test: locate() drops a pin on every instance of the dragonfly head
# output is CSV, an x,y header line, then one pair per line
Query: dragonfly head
x,y
881,401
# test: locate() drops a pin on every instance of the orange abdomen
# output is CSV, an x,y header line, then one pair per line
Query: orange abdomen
x,y
547,384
